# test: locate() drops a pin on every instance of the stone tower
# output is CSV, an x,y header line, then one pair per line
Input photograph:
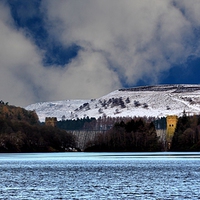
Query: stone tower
x,y
51,121
171,127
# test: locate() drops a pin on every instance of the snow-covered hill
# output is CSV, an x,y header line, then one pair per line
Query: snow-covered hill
x,y
155,101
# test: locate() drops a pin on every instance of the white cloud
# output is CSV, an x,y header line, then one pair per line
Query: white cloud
x,y
87,77
121,42
190,9
24,79
139,38
17,55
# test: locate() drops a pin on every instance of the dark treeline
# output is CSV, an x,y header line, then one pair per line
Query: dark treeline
x,y
77,124
136,135
20,131
103,123
187,134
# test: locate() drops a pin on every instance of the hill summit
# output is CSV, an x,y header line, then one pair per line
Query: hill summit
x,y
150,101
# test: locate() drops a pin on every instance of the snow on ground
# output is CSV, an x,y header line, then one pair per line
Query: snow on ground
x,y
154,101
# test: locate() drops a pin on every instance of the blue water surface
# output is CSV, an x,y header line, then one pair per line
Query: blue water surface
x,y
100,176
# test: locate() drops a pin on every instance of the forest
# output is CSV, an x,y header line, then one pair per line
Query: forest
x,y
103,123
77,124
20,131
136,135
187,134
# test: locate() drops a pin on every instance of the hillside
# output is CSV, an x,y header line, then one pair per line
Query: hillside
x,y
13,113
20,131
154,101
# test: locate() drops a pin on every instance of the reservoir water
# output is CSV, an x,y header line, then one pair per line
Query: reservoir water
x,y
100,176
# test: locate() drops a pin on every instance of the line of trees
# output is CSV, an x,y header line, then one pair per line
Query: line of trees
x,y
77,124
139,134
136,135
103,123
187,134
2,102
20,131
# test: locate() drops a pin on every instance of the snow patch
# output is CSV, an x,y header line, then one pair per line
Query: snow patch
x,y
150,101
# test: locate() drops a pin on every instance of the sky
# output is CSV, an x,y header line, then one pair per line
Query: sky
x,y
65,49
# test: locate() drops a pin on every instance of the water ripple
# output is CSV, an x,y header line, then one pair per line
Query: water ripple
x,y
99,176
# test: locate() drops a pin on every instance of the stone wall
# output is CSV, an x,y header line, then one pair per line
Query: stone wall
x,y
51,121
171,127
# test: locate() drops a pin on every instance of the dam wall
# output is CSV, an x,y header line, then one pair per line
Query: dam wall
x,y
84,137
165,128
